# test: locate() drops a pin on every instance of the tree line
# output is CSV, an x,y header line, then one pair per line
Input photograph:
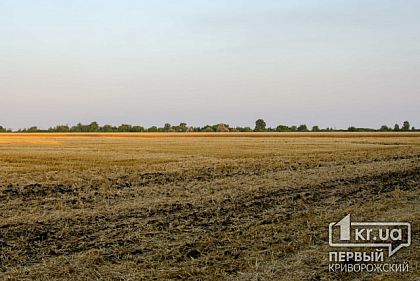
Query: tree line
x,y
260,126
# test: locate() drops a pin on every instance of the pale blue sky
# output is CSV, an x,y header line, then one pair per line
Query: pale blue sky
x,y
332,63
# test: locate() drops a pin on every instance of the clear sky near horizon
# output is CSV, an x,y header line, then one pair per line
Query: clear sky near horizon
x,y
331,63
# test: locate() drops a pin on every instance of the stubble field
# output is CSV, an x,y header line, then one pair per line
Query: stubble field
x,y
198,206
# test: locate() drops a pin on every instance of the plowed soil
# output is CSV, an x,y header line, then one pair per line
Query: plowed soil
x,y
176,207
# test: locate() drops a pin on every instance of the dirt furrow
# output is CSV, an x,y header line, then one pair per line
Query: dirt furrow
x,y
26,244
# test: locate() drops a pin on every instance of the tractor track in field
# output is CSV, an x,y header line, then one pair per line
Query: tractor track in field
x,y
35,191
137,233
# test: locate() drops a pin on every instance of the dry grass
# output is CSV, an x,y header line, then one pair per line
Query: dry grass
x,y
197,206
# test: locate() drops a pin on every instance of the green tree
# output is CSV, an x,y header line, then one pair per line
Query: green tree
x,y
302,128
282,128
93,127
152,129
59,128
124,128
167,127
260,125
396,127
108,128
33,129
406,126
77,128
137,129
244,129
181,128
384,128
315,129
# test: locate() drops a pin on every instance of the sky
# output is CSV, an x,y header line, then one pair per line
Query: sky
x,y
335,63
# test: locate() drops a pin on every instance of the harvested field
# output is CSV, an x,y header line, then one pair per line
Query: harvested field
x,y
198,206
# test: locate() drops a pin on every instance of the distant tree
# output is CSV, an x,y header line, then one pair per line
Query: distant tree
x,y
243,129
152,129
355,129
183,127
137,129
260,125
167,127
77,128
413,129
282,128
62,128
93,127
108,128
302,128
384,128
32,129
406,126
124,128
